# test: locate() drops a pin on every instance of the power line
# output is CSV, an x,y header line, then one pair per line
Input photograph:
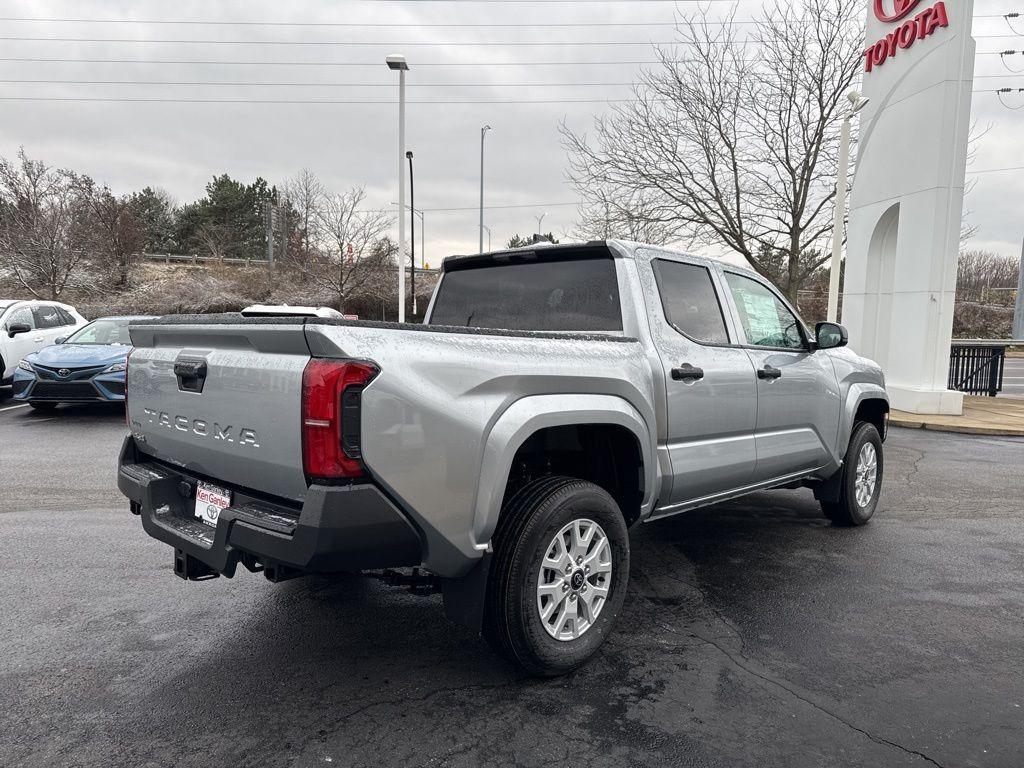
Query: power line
x,y
147,100
486,207
309,101
392,44
333,63
999,170
356,24
216,62
378,84
396,25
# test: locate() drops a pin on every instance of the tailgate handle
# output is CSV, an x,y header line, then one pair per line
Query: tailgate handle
x,y
191,375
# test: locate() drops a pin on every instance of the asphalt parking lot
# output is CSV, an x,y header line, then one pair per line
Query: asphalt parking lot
x,y
755,635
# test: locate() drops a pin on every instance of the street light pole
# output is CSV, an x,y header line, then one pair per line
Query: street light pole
x,y
540,220
397,62
483,132
412,231
423,237
857,103
488,237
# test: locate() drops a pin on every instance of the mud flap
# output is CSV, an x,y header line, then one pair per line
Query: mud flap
x,y
464,596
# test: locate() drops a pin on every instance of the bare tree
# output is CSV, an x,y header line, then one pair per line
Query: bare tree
x,y
978,272
345,257
119,231
732,140
609,216
46,237
217,240
302,195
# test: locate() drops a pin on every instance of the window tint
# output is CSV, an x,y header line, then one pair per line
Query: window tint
x,y
47,316
102,332
65,316
690,302
21,315
766,321
563,295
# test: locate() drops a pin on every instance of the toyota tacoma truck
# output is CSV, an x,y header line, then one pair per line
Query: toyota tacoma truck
x,y
553,398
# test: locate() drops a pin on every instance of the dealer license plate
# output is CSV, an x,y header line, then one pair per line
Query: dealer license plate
x,y
210,502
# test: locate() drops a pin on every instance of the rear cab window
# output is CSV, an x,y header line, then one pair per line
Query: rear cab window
x,y
567,290
690,302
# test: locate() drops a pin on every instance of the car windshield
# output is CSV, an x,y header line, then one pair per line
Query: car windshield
x,y
102,332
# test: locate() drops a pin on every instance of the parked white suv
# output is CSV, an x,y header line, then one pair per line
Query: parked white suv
x,y
28,326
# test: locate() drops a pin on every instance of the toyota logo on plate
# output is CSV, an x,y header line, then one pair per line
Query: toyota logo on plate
x,y
64,372
900,8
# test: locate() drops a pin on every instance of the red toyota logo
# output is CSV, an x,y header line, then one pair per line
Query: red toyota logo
x,y
900,8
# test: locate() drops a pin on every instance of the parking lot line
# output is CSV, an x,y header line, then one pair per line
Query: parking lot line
x,y
12,407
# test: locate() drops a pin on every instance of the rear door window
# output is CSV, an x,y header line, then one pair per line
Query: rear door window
x,y
47,316
579,294
65,316
690,302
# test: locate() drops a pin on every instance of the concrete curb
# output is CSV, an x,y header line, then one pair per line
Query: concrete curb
x,y
912,422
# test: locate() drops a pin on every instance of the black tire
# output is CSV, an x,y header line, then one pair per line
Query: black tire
x,y
43,406
847,510
530,520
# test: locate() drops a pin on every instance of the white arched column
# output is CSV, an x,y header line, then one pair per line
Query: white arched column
x,y
907,198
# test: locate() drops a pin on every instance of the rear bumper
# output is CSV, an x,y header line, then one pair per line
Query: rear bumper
x,y
337,528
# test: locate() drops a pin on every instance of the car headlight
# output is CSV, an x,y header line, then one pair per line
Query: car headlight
x,y
115,368
26,366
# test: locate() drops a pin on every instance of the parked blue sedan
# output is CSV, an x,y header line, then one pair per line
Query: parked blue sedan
x,y
88,366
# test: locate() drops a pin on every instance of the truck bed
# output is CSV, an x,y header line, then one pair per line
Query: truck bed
x,y
425,417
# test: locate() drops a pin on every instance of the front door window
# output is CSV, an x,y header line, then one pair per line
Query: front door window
x,y
766,321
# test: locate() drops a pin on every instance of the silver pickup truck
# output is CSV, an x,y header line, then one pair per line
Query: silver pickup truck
x,y
553,398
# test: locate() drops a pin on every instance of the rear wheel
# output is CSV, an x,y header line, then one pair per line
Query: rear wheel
x,y
43,406
861,479
559,575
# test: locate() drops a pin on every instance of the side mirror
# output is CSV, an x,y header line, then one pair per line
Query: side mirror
x,y
60,339
15,328
830,335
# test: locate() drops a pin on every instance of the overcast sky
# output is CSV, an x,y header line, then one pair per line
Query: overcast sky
x,y
180,146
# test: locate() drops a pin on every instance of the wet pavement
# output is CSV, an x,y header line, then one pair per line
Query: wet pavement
x,y
754,634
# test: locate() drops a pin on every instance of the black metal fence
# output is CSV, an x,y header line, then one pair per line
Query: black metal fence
x,y
977,369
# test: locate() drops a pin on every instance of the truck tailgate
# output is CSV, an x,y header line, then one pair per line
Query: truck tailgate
x,y
222,398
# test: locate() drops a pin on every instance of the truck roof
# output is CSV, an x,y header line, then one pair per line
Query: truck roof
x,y
545,250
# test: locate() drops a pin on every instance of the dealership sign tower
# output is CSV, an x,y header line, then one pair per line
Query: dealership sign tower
x,y
907,196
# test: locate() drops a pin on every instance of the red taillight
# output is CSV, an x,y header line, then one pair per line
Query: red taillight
x,y
127,418
324,385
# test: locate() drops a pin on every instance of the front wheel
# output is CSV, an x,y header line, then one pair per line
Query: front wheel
x,y
559,575
861,479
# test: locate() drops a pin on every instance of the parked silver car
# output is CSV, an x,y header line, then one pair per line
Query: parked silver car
x,y
553,398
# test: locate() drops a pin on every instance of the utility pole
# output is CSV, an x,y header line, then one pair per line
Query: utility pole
x,y
398,64
483,132
857,103
412,232
268,222
1018,305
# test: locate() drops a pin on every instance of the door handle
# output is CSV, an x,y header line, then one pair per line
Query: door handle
x,y
768,372
687,372
39,338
